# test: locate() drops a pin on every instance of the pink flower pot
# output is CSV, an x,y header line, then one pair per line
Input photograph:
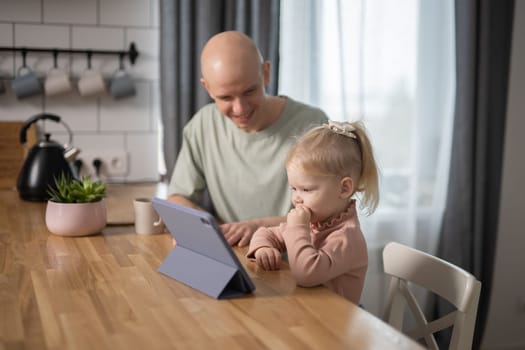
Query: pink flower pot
x,y
75,219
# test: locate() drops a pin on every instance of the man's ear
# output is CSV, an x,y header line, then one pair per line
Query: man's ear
x,y
266,72
347,187
205,85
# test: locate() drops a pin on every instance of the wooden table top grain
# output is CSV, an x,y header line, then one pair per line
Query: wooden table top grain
x,y
104,292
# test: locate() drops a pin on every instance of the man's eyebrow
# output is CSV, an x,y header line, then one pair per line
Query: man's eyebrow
x,y
253,87
222,96
248,89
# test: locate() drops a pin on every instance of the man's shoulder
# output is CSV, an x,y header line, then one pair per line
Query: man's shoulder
x,y
296,109
206,111
298,116
206,116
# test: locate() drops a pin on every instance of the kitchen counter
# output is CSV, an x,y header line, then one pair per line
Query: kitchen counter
x,y
120,197
104,292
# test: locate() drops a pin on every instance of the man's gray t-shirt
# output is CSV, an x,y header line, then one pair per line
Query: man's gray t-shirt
x,y
244,172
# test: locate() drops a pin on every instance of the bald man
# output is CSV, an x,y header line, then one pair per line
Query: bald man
x,y
236,147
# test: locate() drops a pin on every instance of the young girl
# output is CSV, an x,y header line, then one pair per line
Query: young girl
x,y
327,168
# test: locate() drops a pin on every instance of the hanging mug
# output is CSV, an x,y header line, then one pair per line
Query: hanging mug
x,y
122,85
57,82
91,83
26,83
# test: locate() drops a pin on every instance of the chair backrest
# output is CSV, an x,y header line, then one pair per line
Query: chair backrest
x,y
407,265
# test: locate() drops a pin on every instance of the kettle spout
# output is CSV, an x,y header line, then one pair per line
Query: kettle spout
x,y
71,154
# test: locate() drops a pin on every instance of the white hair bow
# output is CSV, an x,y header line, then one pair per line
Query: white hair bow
x,y
341,128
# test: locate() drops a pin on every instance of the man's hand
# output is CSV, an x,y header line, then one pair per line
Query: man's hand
x,y
268,258
239,232
300,215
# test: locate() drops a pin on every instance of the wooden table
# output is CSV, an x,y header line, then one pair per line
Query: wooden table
x,y
104,292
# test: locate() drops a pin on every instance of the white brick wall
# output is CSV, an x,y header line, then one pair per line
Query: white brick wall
x,y
98,123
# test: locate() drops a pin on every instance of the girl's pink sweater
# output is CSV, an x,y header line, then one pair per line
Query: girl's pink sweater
x,y
332,253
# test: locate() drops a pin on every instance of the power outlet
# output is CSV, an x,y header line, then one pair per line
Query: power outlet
x,y
113,163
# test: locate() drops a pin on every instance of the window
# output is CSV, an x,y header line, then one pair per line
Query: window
x,y
389,63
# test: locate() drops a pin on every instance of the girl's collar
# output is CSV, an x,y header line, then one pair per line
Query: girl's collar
x,y
334,220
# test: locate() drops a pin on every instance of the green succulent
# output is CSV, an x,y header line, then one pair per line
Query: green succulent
x,y
68,190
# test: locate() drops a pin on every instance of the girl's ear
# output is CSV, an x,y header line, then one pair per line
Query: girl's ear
x,y
347,187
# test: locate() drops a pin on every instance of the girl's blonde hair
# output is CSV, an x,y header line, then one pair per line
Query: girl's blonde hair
x,y
341,149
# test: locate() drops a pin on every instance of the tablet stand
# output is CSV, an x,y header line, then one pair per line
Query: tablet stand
x,y
207,275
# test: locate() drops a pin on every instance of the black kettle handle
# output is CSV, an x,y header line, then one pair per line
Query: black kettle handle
x,y
27,124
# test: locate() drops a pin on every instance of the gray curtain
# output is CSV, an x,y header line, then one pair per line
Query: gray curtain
x,y
470,223
185,25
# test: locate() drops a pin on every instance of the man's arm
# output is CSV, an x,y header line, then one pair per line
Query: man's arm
x,y
241,232
176,198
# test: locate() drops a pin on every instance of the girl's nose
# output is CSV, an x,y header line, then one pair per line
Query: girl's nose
x,y
296,199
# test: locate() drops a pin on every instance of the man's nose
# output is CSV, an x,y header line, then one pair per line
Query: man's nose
x,y
239,106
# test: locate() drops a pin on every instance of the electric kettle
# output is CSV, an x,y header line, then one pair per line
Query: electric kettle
x,y
45,161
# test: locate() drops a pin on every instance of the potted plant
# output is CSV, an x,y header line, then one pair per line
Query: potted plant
x,y
76,207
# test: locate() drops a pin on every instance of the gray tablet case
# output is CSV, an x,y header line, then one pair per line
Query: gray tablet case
x,y
202,258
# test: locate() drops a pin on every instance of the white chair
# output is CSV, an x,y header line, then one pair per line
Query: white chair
x,y
407,265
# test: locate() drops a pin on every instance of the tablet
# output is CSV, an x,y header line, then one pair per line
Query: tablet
x,y
202,258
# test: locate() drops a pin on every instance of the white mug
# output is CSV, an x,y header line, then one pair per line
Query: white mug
x,y
147,221
57,82
91,83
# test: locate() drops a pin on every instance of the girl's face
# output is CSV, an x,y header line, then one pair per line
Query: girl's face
x,y
324,195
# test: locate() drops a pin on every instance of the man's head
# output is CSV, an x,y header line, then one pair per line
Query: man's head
x,y
235,76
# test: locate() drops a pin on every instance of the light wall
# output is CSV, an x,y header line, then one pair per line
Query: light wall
x,y
100,125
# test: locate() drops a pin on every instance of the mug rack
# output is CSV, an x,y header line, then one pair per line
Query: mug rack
x,y
132,52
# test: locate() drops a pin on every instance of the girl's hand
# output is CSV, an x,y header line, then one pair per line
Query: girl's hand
x,y
268,258
300,215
